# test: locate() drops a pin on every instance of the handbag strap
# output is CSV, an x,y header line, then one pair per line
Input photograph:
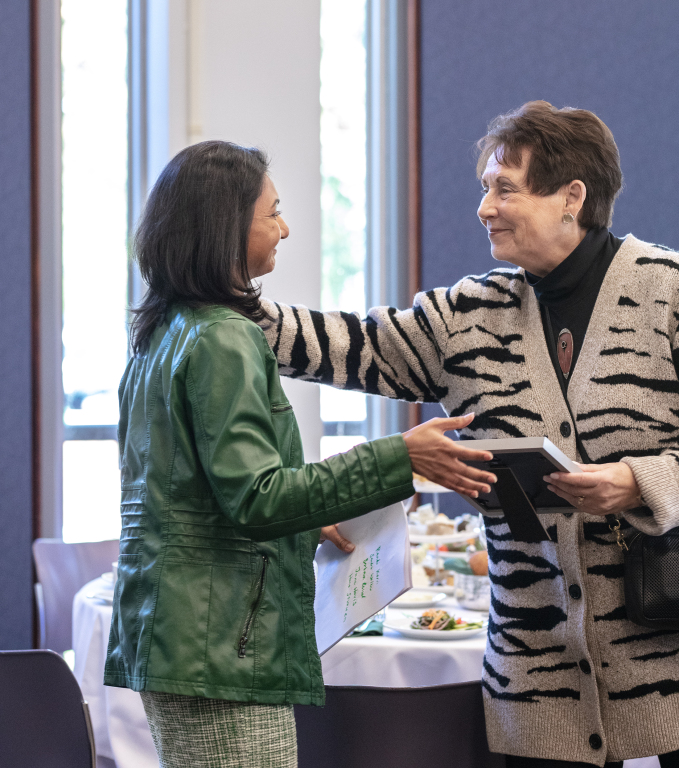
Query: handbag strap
x,y
613,521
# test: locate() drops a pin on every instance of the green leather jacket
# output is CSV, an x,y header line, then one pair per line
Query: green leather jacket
x,y
220,518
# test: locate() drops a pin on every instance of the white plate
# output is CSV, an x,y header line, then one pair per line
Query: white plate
x,y
403,626
108,577
419,598
104,596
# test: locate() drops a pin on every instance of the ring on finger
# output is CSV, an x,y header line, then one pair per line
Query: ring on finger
x,y
579,501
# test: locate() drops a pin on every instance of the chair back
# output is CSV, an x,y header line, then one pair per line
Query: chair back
x,y
43,718
396,728
62,570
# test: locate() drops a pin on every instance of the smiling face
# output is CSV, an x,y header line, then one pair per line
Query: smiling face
x,y
526,229
266,231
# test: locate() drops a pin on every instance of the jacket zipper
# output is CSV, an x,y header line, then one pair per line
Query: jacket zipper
x,y
245,635
281,408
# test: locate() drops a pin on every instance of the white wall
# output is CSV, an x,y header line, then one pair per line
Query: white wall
x,y
252,75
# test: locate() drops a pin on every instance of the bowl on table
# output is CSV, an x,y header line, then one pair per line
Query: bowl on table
x,y
473,592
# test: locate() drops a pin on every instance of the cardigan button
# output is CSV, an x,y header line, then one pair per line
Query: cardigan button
x,y
565,429
575,592
595,741
585,667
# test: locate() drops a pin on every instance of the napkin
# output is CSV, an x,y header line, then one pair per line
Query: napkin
x,y
371,627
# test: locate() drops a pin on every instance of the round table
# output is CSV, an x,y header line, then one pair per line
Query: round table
x,y
394,661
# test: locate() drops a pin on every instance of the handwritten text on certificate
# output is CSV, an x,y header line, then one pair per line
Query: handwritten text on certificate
x,y
352,587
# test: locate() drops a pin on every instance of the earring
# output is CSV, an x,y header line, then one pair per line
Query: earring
x,y
568,218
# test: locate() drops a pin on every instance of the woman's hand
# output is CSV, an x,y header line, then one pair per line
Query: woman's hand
x,y
441,460
330,533
601,489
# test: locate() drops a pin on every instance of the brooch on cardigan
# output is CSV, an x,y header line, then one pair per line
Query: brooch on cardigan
x,y
564,350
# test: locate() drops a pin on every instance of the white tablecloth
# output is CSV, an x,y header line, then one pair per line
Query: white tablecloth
x,y
121,732
394,661
120,729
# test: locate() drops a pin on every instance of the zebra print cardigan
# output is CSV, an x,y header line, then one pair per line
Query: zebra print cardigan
x,y
566,675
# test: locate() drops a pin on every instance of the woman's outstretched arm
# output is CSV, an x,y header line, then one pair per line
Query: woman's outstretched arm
x,y
393,353
238,434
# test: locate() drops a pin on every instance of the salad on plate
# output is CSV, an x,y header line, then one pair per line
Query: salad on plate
x,y
439,620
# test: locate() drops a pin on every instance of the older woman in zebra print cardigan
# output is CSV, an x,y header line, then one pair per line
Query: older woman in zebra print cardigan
x,y
567,678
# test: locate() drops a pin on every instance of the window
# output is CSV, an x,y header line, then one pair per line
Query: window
x,y
95,264
343,197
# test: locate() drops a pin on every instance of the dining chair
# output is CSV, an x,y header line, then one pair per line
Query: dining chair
x,y
43,718
62,570
396,728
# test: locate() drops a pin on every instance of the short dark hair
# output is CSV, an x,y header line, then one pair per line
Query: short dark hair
x,y
565,144
192,238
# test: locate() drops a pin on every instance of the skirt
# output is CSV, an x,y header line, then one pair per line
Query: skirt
x,y
192,732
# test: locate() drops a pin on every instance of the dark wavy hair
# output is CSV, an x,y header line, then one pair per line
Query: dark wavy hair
x,y
565,144
191,241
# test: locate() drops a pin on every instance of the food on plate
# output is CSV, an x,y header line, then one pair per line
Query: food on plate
x,y
464,522
441,526
418,553
429,570
478,562
441,529
443,621
459,546
423,515
434,579
420,577
420,518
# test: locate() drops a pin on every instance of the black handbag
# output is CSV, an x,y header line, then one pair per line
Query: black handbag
x,y
651,577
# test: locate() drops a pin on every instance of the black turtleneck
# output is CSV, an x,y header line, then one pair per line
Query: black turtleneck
x,y
568,293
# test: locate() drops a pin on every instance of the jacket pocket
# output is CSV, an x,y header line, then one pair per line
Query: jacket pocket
x,y
251,615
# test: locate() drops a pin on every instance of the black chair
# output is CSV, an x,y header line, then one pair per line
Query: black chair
x,y
396,728
44,722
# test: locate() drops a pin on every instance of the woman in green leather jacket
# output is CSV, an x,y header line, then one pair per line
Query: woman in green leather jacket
x,y
213,612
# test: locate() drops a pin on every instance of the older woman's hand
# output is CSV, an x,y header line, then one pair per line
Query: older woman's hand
x,y
601,489
441,460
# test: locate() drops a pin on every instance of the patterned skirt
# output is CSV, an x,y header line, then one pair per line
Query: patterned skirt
x,y
192,732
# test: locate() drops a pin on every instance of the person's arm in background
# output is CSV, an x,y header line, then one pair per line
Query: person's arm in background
x,y
237,442
393,353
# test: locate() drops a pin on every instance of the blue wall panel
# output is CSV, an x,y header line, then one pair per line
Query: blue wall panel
x,y
15,324
618,58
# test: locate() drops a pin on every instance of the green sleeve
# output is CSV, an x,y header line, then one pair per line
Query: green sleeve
x,y
238,448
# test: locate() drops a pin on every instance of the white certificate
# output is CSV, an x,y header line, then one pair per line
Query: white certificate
x,y
350,588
